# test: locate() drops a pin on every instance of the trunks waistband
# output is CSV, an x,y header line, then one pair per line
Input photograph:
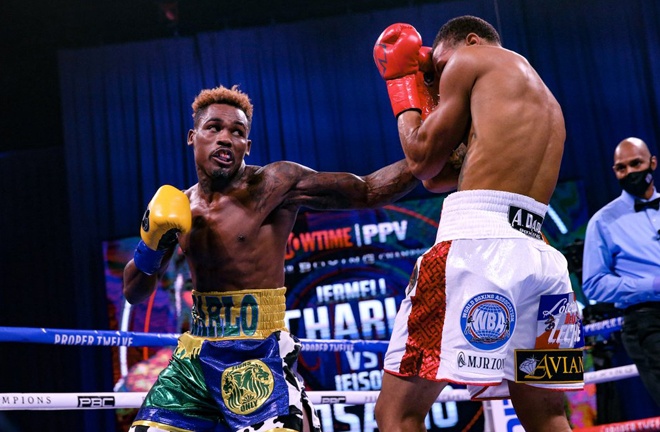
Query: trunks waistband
x,y
478,214
249,314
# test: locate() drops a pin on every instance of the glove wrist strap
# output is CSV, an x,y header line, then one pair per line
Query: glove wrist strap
x,y
403,94
147,260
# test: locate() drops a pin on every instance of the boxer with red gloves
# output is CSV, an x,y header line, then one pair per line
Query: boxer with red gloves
x,y
496,137
407,69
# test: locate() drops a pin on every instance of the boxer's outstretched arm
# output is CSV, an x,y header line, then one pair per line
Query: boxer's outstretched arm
x,y
340,190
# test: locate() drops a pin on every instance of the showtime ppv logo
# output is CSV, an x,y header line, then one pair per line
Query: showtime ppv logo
x,y
346,237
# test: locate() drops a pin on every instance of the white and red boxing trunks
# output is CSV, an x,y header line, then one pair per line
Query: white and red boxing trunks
x,y
491,301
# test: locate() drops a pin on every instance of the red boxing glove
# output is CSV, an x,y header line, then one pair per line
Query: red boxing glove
x,y
399,55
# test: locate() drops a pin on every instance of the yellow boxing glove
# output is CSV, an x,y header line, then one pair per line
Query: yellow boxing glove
x,y
167,214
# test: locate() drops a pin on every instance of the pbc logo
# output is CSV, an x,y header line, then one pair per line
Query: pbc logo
x,y
96,401
333,399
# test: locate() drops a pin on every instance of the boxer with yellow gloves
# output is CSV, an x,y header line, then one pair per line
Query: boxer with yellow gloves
x,y
167,215
236,367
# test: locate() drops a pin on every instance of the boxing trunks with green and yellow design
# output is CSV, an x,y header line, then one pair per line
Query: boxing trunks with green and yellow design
x,y
234,370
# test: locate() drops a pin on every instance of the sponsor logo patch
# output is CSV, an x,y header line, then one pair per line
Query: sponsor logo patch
x,y
479,362
96,401
246,386
145,220
332,399
488,321
549,366
526,222
558,322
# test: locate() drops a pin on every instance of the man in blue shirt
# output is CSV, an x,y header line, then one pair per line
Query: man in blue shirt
x,y
622,258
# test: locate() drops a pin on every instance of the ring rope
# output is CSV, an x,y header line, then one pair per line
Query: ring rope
x,y
140,339
603,328
115,400
647,424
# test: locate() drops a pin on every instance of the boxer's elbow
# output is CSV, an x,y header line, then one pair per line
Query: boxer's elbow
x,y
445,181
423,162
423,169
439,187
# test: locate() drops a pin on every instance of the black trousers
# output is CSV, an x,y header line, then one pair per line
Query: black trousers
x,y
641,339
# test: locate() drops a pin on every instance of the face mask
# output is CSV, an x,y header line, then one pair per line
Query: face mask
x,y
636,183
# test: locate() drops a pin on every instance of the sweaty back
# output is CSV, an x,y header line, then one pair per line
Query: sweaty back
x,y
516,138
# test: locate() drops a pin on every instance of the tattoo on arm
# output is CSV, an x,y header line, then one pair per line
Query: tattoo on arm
x,y
390,183
337,191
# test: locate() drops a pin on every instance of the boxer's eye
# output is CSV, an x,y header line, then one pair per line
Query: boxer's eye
x,y
429,78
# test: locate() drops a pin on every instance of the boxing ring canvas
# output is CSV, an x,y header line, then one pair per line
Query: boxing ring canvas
x,y
346,274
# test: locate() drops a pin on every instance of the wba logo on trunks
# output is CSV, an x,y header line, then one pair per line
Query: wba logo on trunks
x,y
526,222
488,321
558,322
549,366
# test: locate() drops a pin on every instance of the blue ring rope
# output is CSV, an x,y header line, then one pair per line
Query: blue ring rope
x,y
140,339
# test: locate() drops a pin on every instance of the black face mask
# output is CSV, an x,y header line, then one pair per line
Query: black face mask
x,y
636,183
